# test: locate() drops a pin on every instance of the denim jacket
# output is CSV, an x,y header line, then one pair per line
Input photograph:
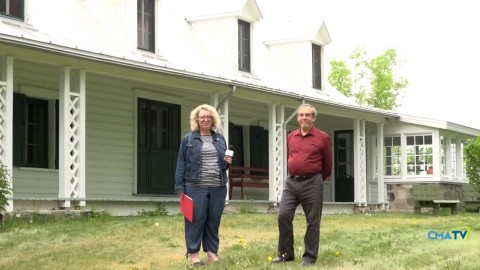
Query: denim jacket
x,y
189,159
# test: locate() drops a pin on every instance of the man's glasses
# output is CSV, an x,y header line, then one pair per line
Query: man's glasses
x,y
305,114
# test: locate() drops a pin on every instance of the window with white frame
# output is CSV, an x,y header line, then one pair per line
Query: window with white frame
x,y
464,169
12,8
392,155
453,152
146,25
244,46
419,153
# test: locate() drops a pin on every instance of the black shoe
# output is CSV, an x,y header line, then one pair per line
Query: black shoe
x,y
281,259
307,263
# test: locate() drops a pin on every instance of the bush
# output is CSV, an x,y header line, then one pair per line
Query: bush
x,y
472,160
4,187
160,211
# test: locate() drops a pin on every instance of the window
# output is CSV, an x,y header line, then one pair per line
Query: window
x,y
12,8
443,155
146,24
462,159
31,131
316,66
393,155
243,46
453,152
419,154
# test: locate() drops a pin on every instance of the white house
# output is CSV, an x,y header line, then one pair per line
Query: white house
x,y
94,100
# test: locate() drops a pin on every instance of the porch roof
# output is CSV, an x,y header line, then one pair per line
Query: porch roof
x,y
440,124
163,67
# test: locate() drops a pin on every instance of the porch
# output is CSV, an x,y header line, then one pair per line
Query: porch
x,y
255,200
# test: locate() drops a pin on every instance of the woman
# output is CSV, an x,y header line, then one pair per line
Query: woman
x,y
202,174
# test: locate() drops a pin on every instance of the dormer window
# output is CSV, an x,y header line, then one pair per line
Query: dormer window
x,y
12,8
243,46
146,25
316,66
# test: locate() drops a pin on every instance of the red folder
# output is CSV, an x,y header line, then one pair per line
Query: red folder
x,y
186,207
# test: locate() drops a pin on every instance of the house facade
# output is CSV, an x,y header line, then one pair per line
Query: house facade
x,y
94,101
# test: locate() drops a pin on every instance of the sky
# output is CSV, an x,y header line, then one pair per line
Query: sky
x,y
437,41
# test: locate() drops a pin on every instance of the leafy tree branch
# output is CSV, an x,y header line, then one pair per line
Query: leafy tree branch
x,y
472,160
370,81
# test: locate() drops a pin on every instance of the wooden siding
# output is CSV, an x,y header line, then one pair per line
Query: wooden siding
x,y
372,194
110,137
28,182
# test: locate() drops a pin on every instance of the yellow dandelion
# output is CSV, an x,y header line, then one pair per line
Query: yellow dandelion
x,y
414,222
337,253
269,258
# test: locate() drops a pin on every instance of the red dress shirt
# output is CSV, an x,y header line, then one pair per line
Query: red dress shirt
x,y
310,154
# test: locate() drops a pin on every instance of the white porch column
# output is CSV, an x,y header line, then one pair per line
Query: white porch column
x,y
72,138
6,121
448,154
276,156
380,167
223,113
459,160
359,154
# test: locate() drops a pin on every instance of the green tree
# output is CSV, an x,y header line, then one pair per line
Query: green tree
x,y
340,77
4,187
472,160
370,81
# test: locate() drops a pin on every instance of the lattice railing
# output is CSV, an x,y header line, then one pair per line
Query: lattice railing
x,y
72,129
3,123
362,167
278,161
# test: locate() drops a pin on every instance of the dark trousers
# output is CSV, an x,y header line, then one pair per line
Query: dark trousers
x,y
309,194
208,205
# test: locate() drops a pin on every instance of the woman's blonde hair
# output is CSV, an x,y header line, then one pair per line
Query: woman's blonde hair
x,y
194,117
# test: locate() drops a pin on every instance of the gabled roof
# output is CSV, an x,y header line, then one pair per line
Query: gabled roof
x,y
297,31
213,9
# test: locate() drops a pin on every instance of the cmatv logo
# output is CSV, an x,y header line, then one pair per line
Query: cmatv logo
x,y
462,233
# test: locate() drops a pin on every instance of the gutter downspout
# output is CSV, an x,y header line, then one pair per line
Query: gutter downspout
x,y
290,119
233,88
284,134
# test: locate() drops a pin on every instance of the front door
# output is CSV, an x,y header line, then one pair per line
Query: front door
x,y
158,139
258,147
344,166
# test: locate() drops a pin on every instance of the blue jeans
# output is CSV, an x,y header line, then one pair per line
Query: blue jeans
x,y
208,205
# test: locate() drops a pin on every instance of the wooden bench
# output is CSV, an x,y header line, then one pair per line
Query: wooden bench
x,y
246,177
434,196
470,197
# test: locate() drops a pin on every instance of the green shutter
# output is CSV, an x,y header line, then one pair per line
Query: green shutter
x,y
258,147
18,129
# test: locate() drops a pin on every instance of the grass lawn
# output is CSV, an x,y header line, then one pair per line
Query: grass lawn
x,y
348,241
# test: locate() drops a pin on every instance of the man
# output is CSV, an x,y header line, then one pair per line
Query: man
x,y
309,164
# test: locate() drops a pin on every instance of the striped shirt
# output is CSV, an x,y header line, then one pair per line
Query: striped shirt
x,y
209,169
